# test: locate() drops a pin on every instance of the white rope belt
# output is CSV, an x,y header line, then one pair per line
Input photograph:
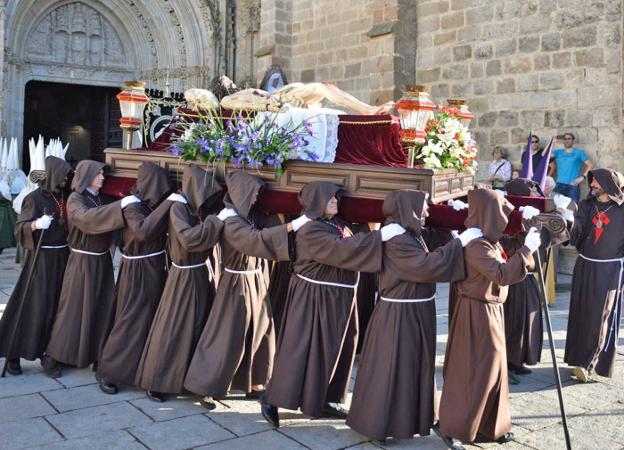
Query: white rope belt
x,y
55,246
328,283
142,256
84,252
408,300
618,295
193,266
258,270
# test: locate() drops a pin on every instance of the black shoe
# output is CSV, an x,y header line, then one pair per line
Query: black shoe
x,y
512,378
481,439
334,410
94,367
14,367
452,443
519,370
208,403
51,367
269,411
505,438
157,397
107,387
254,395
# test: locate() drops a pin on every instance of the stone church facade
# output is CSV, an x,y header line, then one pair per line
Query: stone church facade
x,y
548,66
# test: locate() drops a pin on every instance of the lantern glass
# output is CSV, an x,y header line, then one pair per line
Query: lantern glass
x,y
415,108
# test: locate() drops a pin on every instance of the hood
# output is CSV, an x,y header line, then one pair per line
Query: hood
x,y
152,183
86,171
611,181
405,207
199,186
243,190
314,197
521,186
56,169
488,211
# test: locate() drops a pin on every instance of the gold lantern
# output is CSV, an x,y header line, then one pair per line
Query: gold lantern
x,y
415,109
132,101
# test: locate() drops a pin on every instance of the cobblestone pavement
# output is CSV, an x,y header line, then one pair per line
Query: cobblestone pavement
x,y
72,413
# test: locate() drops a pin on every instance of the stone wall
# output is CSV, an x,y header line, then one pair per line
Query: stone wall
x,y
549,66
353,43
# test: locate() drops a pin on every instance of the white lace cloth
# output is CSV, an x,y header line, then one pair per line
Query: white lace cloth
x,y
324,123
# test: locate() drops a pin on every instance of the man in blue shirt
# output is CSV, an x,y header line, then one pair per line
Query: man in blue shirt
x,y
572,165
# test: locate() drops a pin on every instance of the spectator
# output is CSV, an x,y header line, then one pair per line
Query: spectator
x,y
536,152
500,169
515,174
572,165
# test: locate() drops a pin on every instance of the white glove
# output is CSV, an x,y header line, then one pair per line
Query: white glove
x,y
568,215
390,231
528,212
299,222
469,235
43,222
129,200
532,239
561,201
225,213
457,205
177,198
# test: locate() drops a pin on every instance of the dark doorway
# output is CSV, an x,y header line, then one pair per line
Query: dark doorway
x,y
86,117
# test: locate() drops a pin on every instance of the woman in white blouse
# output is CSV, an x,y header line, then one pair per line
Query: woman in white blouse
x,y
500,169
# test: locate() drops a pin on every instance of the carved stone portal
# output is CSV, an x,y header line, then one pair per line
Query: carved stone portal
x,y
76,34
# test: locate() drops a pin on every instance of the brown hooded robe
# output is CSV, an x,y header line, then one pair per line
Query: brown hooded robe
x,y
40,305
395,393
523,310
318,334
475,395
595,309
189,291
86,306
141,280
237,345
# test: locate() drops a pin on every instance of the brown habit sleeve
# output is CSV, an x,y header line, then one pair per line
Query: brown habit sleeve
x,y
268,243
198,238
98,220
360,252
23,233
145,228
482,256
411,263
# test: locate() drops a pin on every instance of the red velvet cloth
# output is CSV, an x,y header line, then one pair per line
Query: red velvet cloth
x,y
357,210
362,141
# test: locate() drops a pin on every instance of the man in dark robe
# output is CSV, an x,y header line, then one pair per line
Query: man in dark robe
x,y
86,305
318,334
475,396
237,345
523,312
189,292
395,393
43,211
596,297
141,278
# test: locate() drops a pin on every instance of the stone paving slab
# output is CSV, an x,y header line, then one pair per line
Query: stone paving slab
x,y
540,410
86,396
241,417
121,440
173,408
182,433
24,407
25,384
95,420
265,440
322,433
27,433
76,377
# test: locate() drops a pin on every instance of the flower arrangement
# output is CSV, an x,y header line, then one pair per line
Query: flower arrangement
x,y
245,142
448,144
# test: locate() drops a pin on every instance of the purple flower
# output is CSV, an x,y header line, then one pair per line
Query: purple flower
x,y
313,156
308,126
203,146
175,150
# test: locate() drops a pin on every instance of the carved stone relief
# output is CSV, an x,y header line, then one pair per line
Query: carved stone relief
x,y
76,34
